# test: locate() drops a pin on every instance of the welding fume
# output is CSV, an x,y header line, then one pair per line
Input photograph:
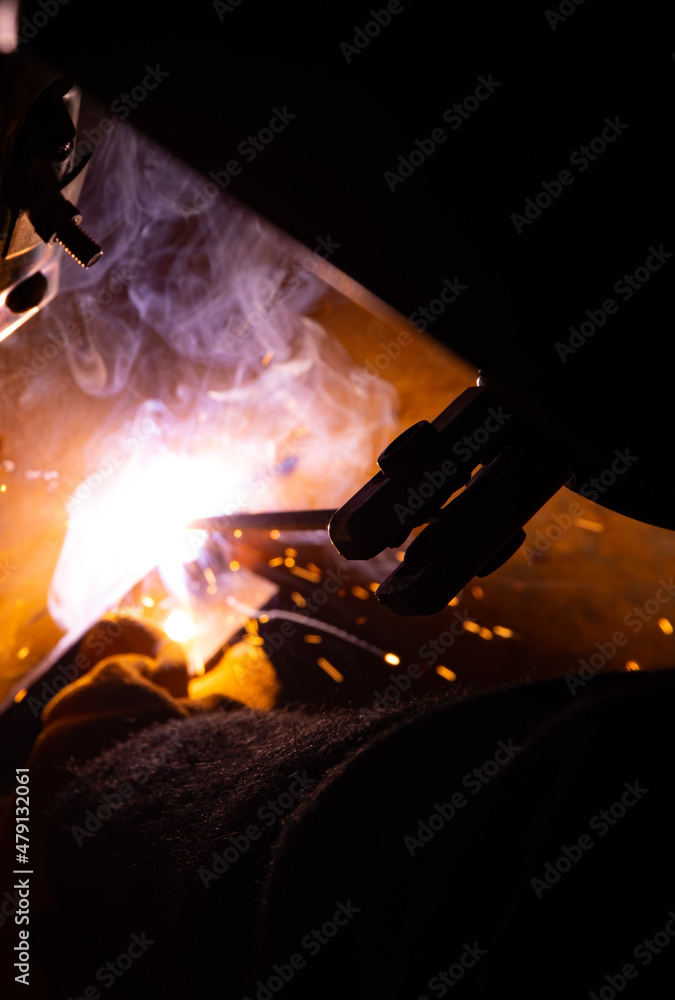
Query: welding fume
x,y
336,517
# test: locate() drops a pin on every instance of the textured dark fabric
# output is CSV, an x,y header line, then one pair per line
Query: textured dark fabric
x,y
350,849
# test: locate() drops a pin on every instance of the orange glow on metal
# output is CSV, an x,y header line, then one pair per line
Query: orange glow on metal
x,y
362,620
665,626
289,562
392,658
478,593
20,695
313,639
632,665
234,565
274,533
277,561
291,552
147,602
298,599
448,675
485,633
237,532
453,602
472,626
23,652
361,593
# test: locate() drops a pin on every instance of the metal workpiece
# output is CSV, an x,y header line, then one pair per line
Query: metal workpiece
x,y
279,520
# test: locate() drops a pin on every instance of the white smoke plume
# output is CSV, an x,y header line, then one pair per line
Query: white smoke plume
x,y
227,396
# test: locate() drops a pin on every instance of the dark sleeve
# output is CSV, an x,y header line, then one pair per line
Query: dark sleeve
x,y
363,855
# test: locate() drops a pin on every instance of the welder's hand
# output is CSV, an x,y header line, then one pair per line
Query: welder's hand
x,y
138,677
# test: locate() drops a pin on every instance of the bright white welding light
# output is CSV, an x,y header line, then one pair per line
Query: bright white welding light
x,y
122,527
9,26
179,626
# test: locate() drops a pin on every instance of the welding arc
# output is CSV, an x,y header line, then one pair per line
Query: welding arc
x,y
280,520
